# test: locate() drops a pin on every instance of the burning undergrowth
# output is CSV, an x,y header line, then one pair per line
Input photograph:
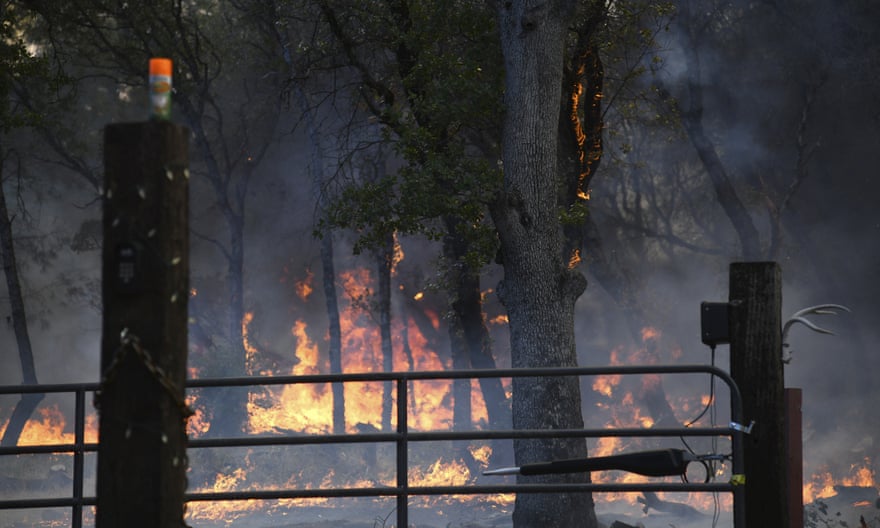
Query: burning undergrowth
x,y
308,409
328,467
835,495
305,409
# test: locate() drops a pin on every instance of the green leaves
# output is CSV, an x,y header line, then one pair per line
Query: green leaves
x,y
416,198
17,65
442,63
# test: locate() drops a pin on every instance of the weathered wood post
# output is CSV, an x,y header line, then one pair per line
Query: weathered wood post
x,y
142,436
756,365
795,449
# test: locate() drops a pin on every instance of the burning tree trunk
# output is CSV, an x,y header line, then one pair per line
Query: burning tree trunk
x,y
580,132
28,402
580,154
538,290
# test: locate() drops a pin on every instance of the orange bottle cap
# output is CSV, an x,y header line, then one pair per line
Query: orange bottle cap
x,y
160,66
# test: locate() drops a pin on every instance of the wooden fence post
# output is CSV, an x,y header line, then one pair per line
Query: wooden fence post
x,y
756,365
142,434
795,449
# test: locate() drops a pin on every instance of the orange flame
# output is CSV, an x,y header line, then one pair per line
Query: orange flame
x,y
397,255
575,259
249,349
303,287
308,408
49,426
823,485
499,320
620,402
649,332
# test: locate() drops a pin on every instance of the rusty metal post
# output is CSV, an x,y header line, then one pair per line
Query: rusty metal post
x,y
142,434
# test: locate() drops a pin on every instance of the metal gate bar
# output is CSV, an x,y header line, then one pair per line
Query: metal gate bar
x,y
402,438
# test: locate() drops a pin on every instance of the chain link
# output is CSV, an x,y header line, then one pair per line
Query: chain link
x,y
129,342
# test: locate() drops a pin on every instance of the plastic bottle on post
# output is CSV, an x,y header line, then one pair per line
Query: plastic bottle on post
x,y
160,88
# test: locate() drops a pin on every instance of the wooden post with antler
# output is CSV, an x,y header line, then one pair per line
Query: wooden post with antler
x,y
755,320
142,433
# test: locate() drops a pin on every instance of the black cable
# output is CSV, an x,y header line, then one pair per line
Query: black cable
x,y
716,513
706,408
708,465
711,401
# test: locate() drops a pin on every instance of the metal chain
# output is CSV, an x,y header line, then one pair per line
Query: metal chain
x,y
131,342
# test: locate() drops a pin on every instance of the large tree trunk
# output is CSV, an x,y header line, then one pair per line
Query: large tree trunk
x,y
28,402
538,289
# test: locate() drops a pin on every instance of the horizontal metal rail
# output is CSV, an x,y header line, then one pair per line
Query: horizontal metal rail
x,y
402,438
391,491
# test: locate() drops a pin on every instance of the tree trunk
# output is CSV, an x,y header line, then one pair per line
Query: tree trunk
x,y
692,120
538,289
469,313
580,130
462,419
28,402
458,343
384,263
231,359
335,330
316,169
410,361
470,332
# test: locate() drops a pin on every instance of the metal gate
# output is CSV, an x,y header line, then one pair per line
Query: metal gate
x,y
402,438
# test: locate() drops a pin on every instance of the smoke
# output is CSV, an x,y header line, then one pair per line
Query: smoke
x,y
789,95
790,108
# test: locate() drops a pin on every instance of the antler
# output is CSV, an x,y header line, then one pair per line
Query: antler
x,y
798,317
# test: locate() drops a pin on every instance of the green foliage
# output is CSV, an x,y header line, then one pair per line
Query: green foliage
x,y
435,76
440,103
631,45
18,65
575,214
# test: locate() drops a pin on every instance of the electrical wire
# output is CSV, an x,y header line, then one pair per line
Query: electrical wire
x,y
709,465
716,514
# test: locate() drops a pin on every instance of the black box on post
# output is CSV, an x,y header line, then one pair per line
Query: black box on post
x,y
714,327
